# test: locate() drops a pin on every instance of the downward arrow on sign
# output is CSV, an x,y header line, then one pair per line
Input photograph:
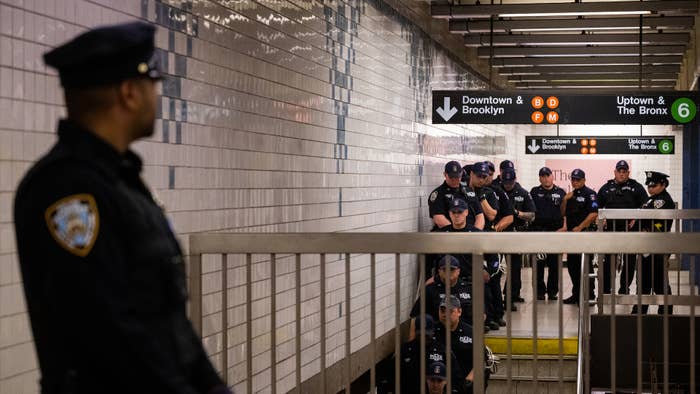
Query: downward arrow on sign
x,y
533,147
446,111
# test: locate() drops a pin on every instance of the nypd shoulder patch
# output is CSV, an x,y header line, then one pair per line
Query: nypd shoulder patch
x,y
74,222
433,196
659,203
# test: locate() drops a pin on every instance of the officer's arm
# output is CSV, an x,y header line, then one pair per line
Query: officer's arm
x,y
504,223
586,222
116,292
440,220
479,221
489,204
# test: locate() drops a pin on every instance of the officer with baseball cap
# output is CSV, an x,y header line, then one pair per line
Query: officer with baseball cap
x,y
620,192
548,198
436,291
441,197
580,207
103,273
503,165
436,378
523,214
654,270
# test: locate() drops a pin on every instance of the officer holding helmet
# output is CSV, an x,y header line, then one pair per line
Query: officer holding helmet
x,y
653,273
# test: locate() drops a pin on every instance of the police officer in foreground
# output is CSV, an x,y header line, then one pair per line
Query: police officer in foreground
x,y
435,351
103,273
436,291
619,193
439,203
436,378
654,264
547,198
580,206
441,197
523,214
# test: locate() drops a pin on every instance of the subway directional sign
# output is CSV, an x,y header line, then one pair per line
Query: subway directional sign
x,y
587,145
498,107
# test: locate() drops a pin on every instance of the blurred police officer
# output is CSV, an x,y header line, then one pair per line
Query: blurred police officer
x,y
461,337
436,378
435,351
505,164
580,207
547,198
103,273
436,291
459,212
652,269
523,215
619,193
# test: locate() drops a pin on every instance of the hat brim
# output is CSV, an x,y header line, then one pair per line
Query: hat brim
x,y
576,178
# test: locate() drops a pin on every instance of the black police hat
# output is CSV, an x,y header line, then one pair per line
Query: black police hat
x,y
437,370
622,164
545,171
508,175
480,168
654,177
453,169
458,205
105,55
506,164
578,174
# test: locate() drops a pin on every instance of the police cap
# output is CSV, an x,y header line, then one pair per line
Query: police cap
x,y
105,55
437,370
492,167
545,171
508,176
480,168
448,259
622,164
452,302
578,174
654,177
426,321
458,205
506,164
453,169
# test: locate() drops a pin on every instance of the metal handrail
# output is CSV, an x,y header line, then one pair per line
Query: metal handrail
x,y
425,243
580,383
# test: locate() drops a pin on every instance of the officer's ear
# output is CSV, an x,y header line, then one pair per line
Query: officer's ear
x,y
133,93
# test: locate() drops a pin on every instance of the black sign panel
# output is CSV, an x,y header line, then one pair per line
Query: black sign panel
x,y
497,107
587,145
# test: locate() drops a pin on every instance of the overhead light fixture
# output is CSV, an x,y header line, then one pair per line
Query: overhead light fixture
x,y
575,13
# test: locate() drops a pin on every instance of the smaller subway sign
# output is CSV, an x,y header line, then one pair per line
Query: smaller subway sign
x,y
498,107
587,145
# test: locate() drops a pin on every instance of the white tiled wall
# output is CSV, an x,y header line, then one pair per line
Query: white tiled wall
x,y
277,116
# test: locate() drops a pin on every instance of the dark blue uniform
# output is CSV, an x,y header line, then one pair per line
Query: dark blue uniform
x,y
465,260
435,293
583,203
626,195
434,351
104,276
652,268
521,201
548,218
440,200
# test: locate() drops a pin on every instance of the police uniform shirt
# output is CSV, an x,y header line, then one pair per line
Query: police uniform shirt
x,y
435,293
583,203
548,208
630,194
462,343
521,201
104,276
434,351
662,200
465,259
440,200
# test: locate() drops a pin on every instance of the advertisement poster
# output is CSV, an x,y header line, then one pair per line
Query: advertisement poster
x,y
597,171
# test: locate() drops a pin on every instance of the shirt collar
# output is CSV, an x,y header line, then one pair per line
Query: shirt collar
x,y
96,149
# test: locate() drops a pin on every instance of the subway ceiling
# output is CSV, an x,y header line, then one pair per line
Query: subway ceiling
x,y
589,44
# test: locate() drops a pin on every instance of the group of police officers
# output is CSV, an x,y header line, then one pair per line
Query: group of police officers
x,y
471,200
